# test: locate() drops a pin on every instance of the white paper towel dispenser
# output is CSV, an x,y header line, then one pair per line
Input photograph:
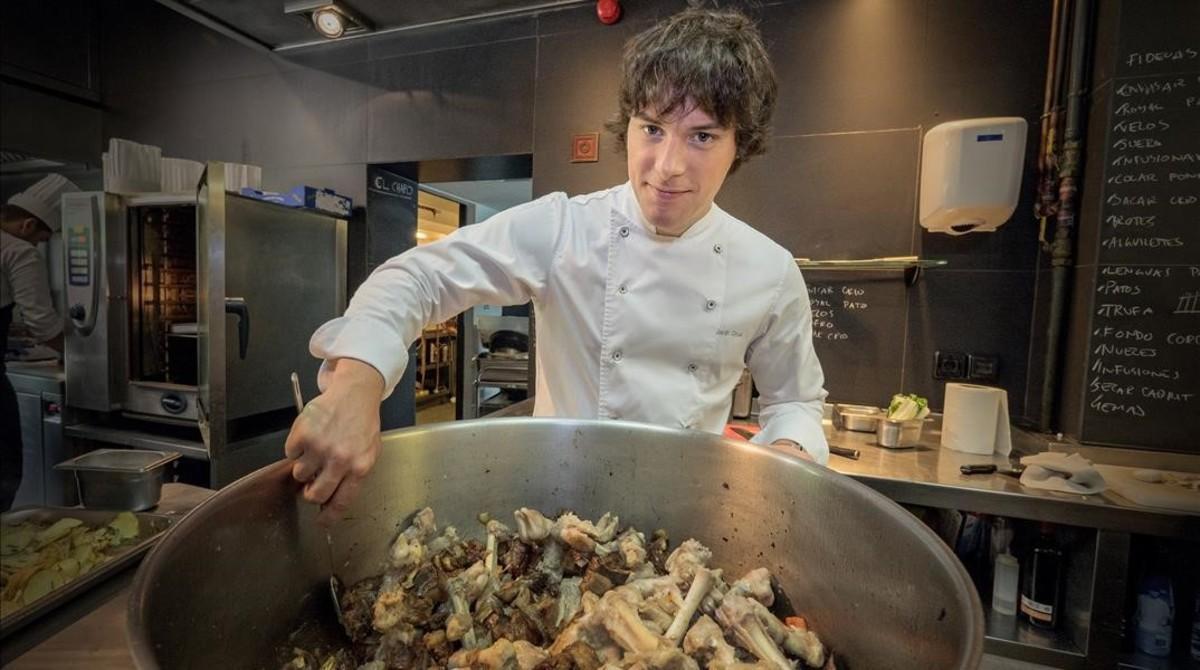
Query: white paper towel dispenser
x,y
971,174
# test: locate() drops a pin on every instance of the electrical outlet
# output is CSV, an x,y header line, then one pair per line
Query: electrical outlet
x,y
949,365
983,367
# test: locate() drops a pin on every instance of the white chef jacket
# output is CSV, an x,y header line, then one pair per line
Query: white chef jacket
x,y
630,324
24,282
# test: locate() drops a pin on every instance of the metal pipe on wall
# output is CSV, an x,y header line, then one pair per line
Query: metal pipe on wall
x,y
1062,252
1047,200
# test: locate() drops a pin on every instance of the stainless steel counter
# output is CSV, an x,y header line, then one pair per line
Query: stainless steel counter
x,y
51,370
929,475
39,389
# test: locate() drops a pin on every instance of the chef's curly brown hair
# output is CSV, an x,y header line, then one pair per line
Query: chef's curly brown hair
x,y
714,58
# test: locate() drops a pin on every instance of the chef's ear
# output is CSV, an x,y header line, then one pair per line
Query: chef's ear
x,y
31,227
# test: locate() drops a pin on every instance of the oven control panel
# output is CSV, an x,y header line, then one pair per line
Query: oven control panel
x,y
79,255
81,218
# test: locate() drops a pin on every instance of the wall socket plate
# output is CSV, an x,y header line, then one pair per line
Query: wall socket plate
x,y
961,366
949,365
983,367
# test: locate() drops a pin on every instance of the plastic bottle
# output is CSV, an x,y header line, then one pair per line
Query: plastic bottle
x,y
1041,594
1002,536
1004,584
1154,620
1196,630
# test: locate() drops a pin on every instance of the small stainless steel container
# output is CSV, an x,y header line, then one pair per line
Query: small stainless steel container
x,y
897,433
858,418
123,479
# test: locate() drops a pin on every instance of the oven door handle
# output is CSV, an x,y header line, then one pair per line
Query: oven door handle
x,y
239,308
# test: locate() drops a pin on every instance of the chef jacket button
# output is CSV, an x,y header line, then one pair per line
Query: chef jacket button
x,y
616,356
692,367
622,289
717,249
624,231
710,305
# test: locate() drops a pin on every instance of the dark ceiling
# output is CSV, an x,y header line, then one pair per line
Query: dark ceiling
x,y
265,22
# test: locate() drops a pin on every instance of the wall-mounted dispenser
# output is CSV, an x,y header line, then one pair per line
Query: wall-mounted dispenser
x,y
971,174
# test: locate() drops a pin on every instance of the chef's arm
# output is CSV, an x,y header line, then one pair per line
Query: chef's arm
x,y
787,373
504,261
31,294
335,441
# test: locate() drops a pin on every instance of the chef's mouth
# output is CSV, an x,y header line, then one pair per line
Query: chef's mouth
x,y
667,192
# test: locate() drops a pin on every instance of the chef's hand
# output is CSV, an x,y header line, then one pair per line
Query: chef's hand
x,y
796,448
335,440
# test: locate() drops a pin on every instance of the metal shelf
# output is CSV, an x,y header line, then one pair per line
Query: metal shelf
x,y
1140,661
911,266
1012,637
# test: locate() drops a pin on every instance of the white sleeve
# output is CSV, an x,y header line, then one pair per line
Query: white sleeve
x,y
502,261
31,292
787,373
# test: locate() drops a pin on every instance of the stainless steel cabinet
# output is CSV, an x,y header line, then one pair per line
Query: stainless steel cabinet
x,y
39,397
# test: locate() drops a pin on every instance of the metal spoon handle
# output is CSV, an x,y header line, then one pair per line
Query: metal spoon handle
x,y
299,397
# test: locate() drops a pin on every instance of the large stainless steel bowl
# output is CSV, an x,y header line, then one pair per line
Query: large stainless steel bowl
x,y
227,586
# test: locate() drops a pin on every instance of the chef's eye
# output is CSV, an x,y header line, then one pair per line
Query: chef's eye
x,y
704,138
652,130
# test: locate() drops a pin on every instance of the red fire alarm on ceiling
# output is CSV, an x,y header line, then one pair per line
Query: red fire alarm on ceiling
x,y
585,148
608,11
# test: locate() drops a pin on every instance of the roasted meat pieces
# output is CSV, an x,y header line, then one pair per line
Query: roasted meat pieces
x,y
560,594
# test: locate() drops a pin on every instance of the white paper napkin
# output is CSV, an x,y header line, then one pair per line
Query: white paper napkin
x,y
1069,473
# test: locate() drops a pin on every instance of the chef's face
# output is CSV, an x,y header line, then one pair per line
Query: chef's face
x,y
677,163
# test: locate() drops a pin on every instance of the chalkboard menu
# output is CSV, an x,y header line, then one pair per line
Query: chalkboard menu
x,y
1143,385
859,353
1143,367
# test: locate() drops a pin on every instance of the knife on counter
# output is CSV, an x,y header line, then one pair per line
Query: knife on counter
x,y
991,468
844,452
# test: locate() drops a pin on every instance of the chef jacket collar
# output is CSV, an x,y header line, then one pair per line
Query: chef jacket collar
x,y
632,211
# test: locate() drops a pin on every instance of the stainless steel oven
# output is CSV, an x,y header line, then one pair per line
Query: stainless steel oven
x,y
190,312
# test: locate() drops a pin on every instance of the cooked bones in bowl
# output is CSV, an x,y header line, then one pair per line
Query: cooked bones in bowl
x,y
558,594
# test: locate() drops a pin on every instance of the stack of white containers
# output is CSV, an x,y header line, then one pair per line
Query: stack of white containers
x,y
130,167
240,175
180,175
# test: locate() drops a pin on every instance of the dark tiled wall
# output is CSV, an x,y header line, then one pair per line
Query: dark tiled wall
x,y
860,81
50,97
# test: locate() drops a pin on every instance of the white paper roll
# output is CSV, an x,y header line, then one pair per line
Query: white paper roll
x,y
975,419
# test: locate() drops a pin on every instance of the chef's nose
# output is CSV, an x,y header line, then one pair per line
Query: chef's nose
x,y
671,157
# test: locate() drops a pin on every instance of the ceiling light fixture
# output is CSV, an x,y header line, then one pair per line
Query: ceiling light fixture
x,y
331,20
328,22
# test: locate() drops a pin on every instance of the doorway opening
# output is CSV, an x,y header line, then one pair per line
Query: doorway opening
x,y
479,361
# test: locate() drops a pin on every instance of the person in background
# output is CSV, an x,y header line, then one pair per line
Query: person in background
x,y
26,220
650,299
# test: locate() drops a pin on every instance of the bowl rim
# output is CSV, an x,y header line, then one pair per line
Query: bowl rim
x,y
142,650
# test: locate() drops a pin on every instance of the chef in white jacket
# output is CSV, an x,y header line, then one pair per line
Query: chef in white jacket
x,y
26,220
650,299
